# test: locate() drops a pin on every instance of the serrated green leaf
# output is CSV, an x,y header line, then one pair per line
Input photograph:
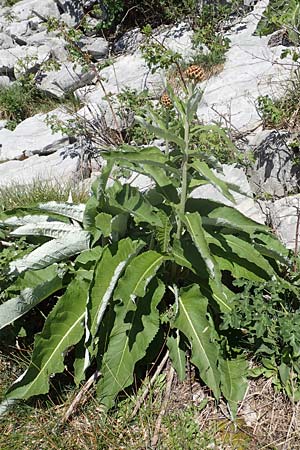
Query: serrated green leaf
x,y
54,251
107,273
35,289
162,133
208,174
128,199
233,381
63,328
53,229
193,223
64,209
135,326
193,323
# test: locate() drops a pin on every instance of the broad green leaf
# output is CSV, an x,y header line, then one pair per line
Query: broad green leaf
x,y
107,273
162,133
64,209
40,286
90,213
194,226
54,251
177,355
103,222
239,257
163,233
192,104
129,199
16,221
186,255
269,245
247,251
136,325
233,381
53,229
216,215
193,323
208,174
137,155
63,328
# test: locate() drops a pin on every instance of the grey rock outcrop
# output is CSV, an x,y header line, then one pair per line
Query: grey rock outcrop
x,y
274,172
31,137
58,167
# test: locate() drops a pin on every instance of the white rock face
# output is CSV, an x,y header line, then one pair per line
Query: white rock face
x,y
244,201
67,79
284,216
56,167
97,47
129,71
274,171
26,9
30,137
251,69
29,57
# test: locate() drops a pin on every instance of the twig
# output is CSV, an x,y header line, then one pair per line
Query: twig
x,y
155,437
79,396
151,382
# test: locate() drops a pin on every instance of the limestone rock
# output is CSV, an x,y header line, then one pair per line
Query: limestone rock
x,y
32,136
58,167
68,78
97,47
244,201
128,71
26,9
251,69
274,172
284,217
6,41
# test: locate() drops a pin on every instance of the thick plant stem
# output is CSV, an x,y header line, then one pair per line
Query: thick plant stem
x,y
184,176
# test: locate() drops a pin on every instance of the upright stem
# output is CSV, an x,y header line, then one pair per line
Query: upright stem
x,y
184,175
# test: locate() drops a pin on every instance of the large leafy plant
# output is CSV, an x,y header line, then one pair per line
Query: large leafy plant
x,y
154,271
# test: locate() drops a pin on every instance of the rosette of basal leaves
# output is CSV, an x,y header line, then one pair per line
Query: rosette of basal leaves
x,y
159,271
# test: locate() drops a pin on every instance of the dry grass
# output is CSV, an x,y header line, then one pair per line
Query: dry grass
x,y
192,421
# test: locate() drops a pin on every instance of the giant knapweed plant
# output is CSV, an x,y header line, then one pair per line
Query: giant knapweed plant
x,y
153,273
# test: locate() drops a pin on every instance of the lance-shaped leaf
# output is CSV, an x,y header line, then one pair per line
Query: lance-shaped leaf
x,y
193,323
107,273
216,215
129,199
138,155
177,354
135,325
63,328
194,226
36,288
246,251
53,229
233,381
186,254
16,221
239,257
163,133
208,174
192,104
51,252
64,209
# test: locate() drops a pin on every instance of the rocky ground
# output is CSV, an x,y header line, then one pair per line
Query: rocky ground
x,y
253,68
